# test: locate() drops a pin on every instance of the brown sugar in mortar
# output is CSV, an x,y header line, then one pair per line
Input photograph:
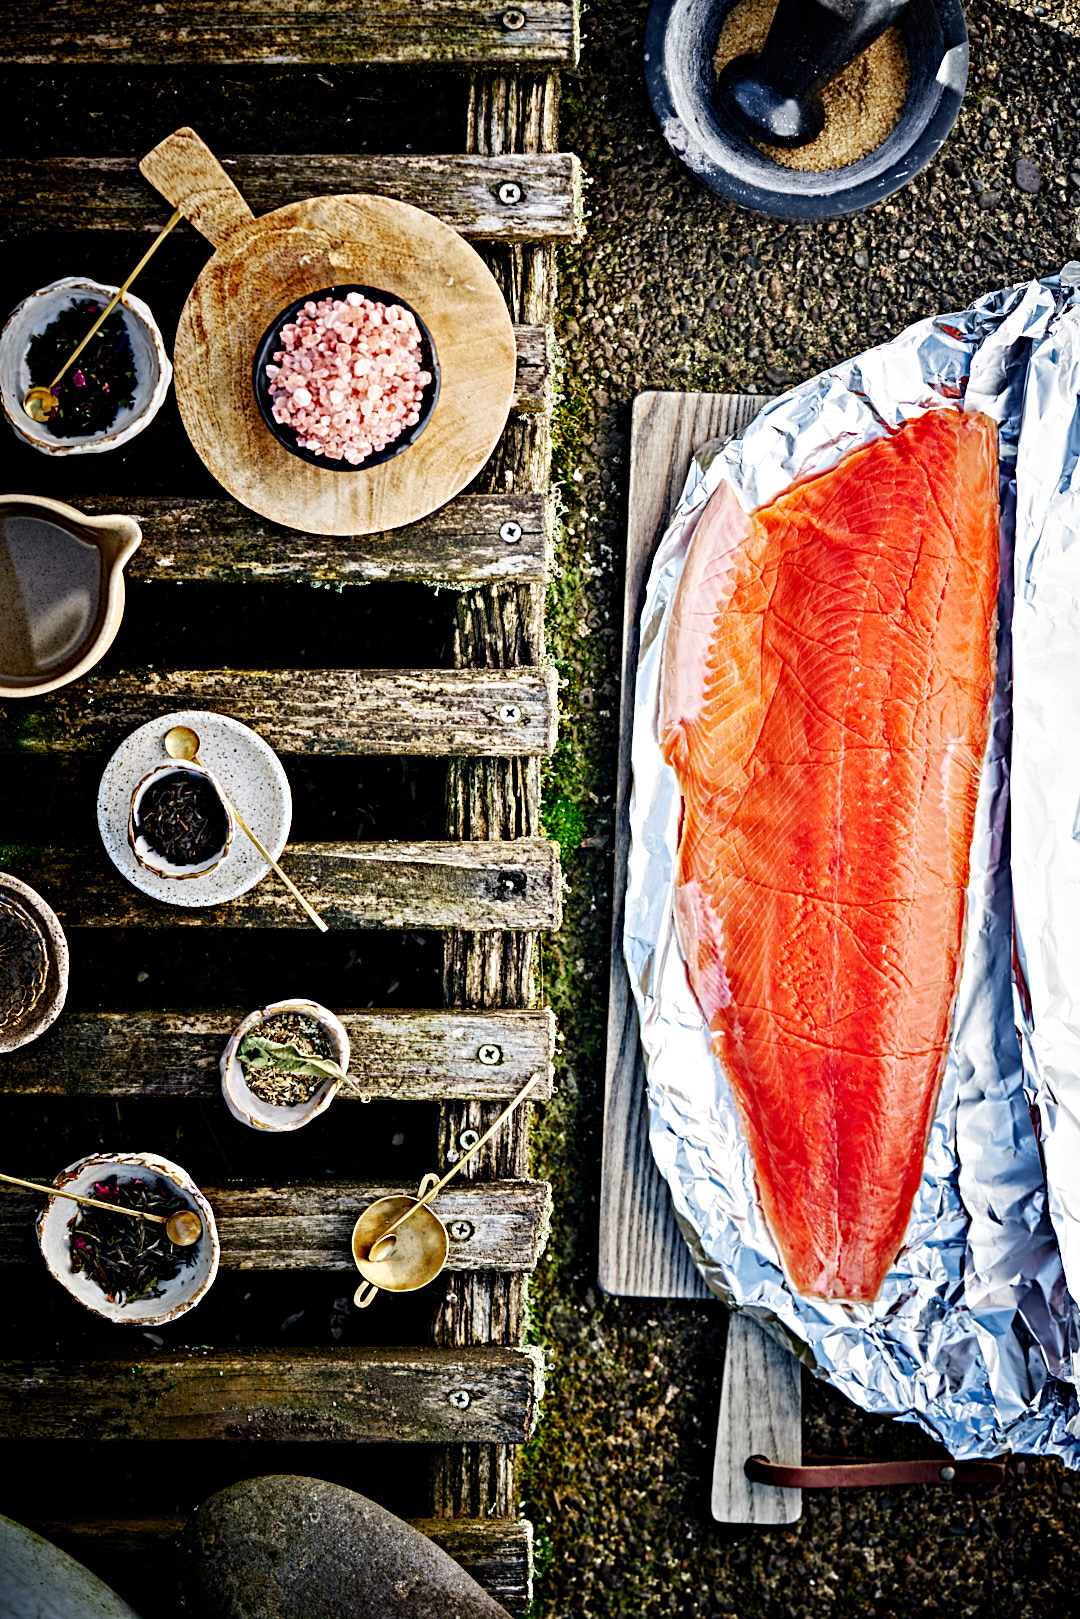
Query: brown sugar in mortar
x,y
862,105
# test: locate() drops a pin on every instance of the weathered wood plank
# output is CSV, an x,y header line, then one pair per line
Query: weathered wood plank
x,y
642,1252
497,1552
72,194
412,1396
310,711
396,1056
497,536
281,33
496,627
760,1415
494,1225
513,885
533,390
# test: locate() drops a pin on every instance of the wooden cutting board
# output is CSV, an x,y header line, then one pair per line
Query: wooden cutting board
x,y
262,265
642,1251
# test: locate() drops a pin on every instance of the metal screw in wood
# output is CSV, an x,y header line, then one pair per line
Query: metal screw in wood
x,y
513,19
509,193
510,713
510,532
490,1056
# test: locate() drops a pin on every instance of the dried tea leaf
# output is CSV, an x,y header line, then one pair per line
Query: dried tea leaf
x,y
256,1051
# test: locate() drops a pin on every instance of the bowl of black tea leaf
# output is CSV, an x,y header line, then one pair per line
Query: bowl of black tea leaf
x,y
283,1065
180,823
118,1267
115,387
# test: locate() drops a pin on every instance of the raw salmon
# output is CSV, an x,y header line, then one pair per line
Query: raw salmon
x,y
828,674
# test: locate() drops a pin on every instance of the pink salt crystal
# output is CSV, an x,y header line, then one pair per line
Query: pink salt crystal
x,y
349,378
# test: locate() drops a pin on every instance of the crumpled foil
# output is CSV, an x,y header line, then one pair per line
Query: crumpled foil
x,y
974,1335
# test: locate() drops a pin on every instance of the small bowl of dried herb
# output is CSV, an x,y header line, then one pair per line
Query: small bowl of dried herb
x,y
120,1268
283,1065
180,823
115,388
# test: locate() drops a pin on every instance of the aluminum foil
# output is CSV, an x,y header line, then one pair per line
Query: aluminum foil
x,y
975,1335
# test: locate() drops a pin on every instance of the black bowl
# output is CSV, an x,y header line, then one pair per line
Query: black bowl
x,y
680,43
287,435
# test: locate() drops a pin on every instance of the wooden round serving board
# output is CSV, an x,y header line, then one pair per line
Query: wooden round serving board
x,y
262,265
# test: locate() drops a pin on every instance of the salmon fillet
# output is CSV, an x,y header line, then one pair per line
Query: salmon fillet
x,y
828,673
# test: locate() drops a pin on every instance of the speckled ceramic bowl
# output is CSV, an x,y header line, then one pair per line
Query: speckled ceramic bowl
x,y
153,372
242,1102
152,858
54,1238
47,1008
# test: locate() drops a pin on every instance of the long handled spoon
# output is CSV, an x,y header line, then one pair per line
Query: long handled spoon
x,y
182,1228
40,402
385,1246
183,743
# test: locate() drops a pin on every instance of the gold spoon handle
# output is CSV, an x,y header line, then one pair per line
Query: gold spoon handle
x,y
116,297
94,1202
534,1079
289,884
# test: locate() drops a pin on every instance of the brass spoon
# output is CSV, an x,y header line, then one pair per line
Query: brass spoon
x,y
182,1228
183,743
387,1242
40,402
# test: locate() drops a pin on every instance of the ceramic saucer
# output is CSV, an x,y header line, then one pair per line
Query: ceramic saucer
x,y
251,774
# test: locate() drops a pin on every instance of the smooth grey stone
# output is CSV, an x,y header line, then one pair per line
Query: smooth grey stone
x,y
1027,174
284,1547
39,1581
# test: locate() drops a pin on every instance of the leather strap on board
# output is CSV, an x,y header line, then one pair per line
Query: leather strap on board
x,y
828,1473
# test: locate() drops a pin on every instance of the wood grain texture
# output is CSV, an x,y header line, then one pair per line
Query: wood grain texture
x,y
497,1552
642,1252
497,798
74,194
396,1056
326,242
280,33
760,1415
351,885
345,1395
497,1226
217,541
188,175
309,711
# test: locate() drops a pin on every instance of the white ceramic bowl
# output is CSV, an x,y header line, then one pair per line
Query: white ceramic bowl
x,y
244,1105
152,858
46,1011
153,373
182,1293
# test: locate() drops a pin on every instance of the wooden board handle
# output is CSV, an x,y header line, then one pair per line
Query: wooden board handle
x,y
186,172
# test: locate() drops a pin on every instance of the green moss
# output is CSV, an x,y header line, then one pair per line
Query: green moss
x,y
565,822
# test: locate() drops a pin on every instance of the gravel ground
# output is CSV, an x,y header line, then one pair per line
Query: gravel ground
x,y
675,289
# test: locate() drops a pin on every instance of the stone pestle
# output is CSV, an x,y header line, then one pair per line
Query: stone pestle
x,y
775,97
285,1547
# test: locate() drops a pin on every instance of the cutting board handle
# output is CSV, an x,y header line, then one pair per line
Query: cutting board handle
x,y
186,172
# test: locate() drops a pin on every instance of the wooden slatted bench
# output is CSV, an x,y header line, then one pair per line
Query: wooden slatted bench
x,y
468,1397
282,32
